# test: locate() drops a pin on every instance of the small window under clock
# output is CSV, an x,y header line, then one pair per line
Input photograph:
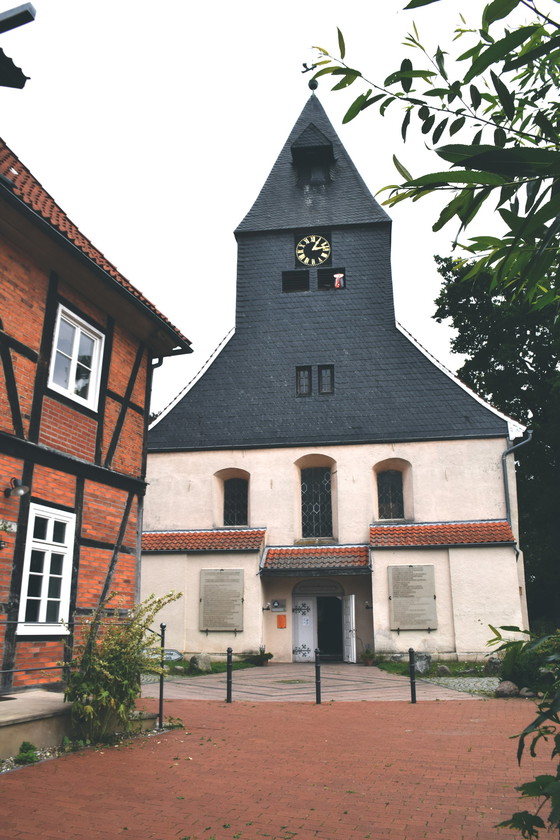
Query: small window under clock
x,y
325,375
295,281
303,381
331,278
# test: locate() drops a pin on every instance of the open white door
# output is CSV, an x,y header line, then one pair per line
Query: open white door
x,y
305,636
349,628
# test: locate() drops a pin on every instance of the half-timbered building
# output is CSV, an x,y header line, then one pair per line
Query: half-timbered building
x,y
325,483
78,344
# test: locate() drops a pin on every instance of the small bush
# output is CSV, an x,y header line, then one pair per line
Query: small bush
x,y
27,753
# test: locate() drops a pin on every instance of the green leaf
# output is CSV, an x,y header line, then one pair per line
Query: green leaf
x,y
532,54
405,124
499,50
517,162
546,126
415,4
440,61
507,101
456,125
427,124
347,80
357,105
406,67
401,74
500,137
497,10
424,112
401,169
440,128
454,177
475,96
341,45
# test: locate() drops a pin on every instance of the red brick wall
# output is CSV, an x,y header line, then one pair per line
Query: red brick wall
x,y
67,430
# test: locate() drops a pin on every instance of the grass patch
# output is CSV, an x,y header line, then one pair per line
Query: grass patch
x,y
184,669
458,669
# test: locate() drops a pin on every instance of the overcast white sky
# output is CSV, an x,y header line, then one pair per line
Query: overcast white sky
x,y
155,124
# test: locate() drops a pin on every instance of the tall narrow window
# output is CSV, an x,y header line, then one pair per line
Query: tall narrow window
x,y
316,504
295,281
326,379
390,494
236,501
76,361
47,571
303,381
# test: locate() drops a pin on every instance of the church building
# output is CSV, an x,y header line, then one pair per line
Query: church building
x,y
325,484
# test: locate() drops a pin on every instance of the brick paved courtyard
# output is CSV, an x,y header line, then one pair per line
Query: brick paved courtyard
x,y
286,771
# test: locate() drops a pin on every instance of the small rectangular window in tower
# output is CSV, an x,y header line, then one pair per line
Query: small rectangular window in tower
x,y
303,381
390,494
236,501
331,278
326,379
295,281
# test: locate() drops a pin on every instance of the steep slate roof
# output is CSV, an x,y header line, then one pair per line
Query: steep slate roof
x,y
293,560
248,539
386,389
433,534
347,198
21,183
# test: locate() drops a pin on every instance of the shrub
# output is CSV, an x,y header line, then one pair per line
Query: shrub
x,y
104,681
27,753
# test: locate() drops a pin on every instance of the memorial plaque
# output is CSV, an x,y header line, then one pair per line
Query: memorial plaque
x,y
221,599
412,598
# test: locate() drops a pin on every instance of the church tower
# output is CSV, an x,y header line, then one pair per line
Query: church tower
x,y
324,477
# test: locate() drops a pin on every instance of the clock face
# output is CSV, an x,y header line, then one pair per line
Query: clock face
x,y
313,249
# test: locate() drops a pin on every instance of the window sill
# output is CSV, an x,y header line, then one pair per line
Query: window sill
x,y
38,629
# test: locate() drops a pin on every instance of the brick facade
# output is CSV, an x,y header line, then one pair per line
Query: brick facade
x,y
83,459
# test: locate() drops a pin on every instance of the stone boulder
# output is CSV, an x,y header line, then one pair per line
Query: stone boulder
x,y
201,662
492,666
526,693
443,671
507,689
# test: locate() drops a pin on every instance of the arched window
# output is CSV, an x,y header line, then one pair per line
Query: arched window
x,y
236,509
316,504
390,499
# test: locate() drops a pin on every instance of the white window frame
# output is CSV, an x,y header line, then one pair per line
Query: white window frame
x,y
49,547
81,327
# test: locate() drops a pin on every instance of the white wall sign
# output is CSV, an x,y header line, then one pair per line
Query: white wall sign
x,y
221,599
412,603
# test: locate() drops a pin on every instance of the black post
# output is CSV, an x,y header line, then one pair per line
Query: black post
x,y
228,674
317,676
412,670
162,663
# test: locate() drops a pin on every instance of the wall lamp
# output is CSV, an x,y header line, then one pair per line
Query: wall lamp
x,y
266,607
367,605
3,544
16,488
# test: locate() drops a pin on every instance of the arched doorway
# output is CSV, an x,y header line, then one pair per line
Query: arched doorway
x,y
324,619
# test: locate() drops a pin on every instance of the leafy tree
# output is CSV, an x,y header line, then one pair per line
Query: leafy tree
x,y
512,351
499,95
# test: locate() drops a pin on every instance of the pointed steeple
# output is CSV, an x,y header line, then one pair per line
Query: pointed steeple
x,y
313,182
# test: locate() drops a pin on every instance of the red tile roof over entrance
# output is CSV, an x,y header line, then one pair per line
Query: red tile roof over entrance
x,y
26,187
249,539
492,532
322,557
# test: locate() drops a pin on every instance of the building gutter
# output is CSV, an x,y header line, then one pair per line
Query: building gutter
x,y
504,470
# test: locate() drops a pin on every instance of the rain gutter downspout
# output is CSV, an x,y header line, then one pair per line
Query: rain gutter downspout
x,y
504,470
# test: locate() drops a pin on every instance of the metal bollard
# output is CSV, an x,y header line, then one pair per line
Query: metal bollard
x,y
317,676
229,670
161,676
412,671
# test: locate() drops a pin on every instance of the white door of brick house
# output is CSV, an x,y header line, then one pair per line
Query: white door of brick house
x,y
349,628
305,629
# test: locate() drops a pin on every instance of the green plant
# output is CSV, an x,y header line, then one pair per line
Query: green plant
x,y
545,787
367,655
27,753
104,680
262,657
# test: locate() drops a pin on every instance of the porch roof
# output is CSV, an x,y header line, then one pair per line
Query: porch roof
x,y
311,559
216,539
432,534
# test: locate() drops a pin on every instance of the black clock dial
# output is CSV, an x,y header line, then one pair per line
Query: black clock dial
x,y
313,249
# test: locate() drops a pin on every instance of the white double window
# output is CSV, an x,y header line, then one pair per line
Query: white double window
x,y
76,360
47,572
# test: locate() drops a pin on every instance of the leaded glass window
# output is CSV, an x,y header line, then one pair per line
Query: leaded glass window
x,y
236,501
390,494
316,505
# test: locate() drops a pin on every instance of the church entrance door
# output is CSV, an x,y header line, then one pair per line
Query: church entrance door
x,y
324,618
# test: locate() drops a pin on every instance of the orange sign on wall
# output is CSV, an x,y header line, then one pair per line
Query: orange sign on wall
x,y
281,622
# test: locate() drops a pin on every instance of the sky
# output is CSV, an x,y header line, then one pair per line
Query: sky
x,y
155,125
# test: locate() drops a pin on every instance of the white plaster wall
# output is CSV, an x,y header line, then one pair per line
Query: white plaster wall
x,y
441,640
162,572
451,480
485,591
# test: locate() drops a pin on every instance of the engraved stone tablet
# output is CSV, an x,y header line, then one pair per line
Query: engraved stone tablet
x,y
412,598
221,599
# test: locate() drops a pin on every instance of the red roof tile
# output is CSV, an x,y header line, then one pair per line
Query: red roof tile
x,y
490,532
324,558
249,539
30,191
